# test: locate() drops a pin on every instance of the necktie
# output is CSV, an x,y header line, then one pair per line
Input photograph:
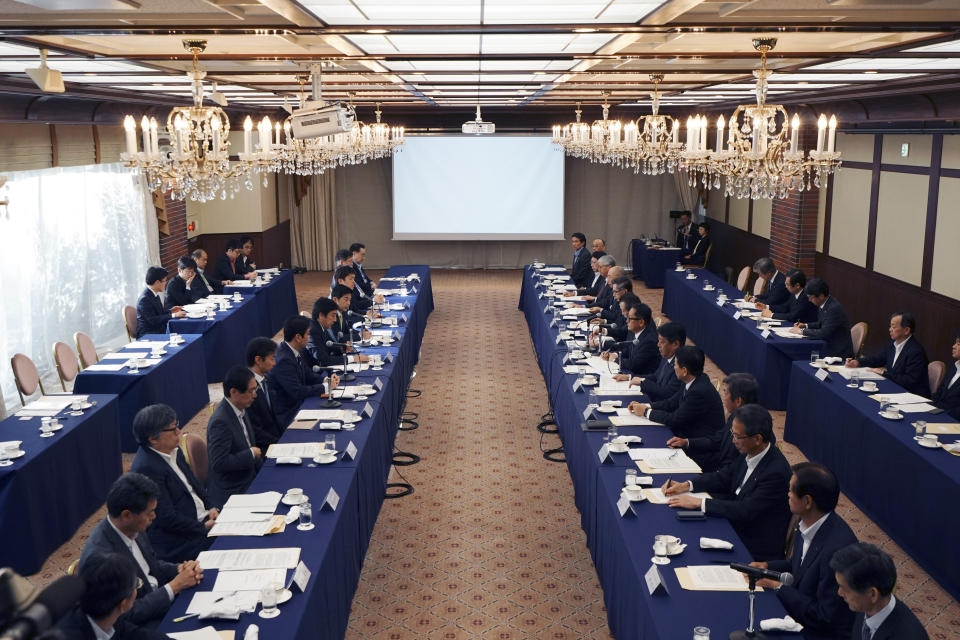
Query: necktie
x,y
300,375
247,429
263,390
865,631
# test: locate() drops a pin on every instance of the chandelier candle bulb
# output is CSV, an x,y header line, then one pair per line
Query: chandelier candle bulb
x,y
145,133
130,133
154,138
247,128
821,128
689,133
276,129
794,132
720,126
832,141
676,131
703,134
215,125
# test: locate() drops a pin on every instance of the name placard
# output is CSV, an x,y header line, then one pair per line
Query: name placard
x,y
388,358
765,334
822,375
350,453
577,384
331,501
367,411
737,315
625,507
654,580
301,576
588,410
378,383
604,454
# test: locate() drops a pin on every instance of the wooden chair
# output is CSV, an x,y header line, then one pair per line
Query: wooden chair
x,y
26,376
67,364
935,372
858,335
743,280
130,322
86,350
72,569
706,260
195,452
759,286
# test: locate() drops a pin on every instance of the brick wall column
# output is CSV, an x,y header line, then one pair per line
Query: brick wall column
x,y
793,223
174,245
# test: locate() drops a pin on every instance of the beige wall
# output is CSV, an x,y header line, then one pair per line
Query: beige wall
x,y
856,147
739,212
946,257
850,212
918,154
762,212
250,210
901,216
951,152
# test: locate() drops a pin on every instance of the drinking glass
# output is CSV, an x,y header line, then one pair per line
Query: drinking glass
x,y
660,552
306,517
46,429
593,398
814,356
921,428
268,600
134,366
701,633
884,404
5,457
330,442
611,433
854,382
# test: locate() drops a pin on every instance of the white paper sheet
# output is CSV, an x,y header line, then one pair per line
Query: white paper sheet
x,y
664,459
51,403
631,420
655,496
236,559
243,514
256,529
206,633
268,500
900,398
919,407
248,580
319,414
124,355
294,449
203,601
862,372
712,576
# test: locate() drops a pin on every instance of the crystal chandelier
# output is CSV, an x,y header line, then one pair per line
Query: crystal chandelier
x,y
762,157
197,166
599,142
653,140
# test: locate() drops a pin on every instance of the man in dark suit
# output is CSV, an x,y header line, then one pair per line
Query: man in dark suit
x,y
606,299
947,395
228,266
695,410
594,286
151,316
812,599
183,514
640,357
615,331
797,307
698,256
245,262
749,492
776,292
343,258
343,327
324,315
184,288
580,272
110,590
358,253
664,382
903,361
231,443
865,579
360,302
716,450
208,283
131,507
831,326
603,288
292,377
260,359
685,233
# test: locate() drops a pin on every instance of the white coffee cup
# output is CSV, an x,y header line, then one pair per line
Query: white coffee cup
x,y
349,414
931,438
869,385
589,379
608,404
294,493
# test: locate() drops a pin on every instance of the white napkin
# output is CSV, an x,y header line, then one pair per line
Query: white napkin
x,y
289,460
613,403
226,610
715,543
334,426
627,439
293,515
831,360
781,624
953,446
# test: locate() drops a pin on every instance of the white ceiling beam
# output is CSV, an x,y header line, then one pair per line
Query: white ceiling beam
x,y
293,12
670,11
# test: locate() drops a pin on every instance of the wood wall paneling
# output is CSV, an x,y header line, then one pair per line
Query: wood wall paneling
x,y
739,213
945,273
846,235
899,229
270,247
734,248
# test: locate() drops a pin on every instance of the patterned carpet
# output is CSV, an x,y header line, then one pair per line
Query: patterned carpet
x,y
489,545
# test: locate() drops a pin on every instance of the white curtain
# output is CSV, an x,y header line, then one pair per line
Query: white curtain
x,y
74,249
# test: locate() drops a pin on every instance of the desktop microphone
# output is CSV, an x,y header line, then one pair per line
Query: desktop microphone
x,y
51,604
757,572
331,343
617,346
318,369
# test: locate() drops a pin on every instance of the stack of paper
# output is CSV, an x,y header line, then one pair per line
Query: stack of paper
x,y
862,373
48,406
274,524
655,496
234,559
248,579
294,450
664,461
899,398
711,577
626,419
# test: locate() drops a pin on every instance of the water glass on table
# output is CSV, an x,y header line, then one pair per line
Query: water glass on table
x,y
5,460
854,382
630,480
268,600
306,517
611,433
701,633
329,443
46,427
920,426
814,356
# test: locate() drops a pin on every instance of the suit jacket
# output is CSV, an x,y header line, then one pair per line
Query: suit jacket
x,y
243,264
232,463
151,316
642,356
317,346
693,412
362,280
151,602
698,256
76,626
759,513
343,330
663,383
797,308
604,295
812,599
293,381
776,292
208,284
713,451
176,534
178,294
946,398
581,272
592,288
223,271
910,371
359,304
899,625
266,428
686,237
833,327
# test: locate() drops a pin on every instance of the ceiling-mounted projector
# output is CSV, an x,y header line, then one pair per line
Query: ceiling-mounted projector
x,y
478,127
49,80
316,119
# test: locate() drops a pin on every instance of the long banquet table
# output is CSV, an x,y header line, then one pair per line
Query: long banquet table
x,y
651,263
734,345
275,301
334,550
909,491
49,492
622,547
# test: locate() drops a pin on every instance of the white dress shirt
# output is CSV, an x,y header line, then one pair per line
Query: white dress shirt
x,y
99,633
955,377
141,561
897,348
752,462
807,534
243,426
873,622
171,459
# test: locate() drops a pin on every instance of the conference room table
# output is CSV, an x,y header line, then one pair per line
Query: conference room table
x,y
650,263
334,550
46,494
735,345
275,301
178,379
908,490
622,547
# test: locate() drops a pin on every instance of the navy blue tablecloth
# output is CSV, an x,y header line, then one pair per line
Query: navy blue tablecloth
x,y
907,490
178,380
275,301
622,548
734,345
637,249
655,263
53,489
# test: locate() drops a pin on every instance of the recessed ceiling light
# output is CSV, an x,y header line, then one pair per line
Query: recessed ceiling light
x,y
89,74
377,31
869,71
584,30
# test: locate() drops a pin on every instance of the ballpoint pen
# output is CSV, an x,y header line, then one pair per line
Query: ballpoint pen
x,y
191,615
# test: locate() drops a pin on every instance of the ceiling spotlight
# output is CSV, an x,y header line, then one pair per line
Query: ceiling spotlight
x,y
49,80
217,97
377,31
584,30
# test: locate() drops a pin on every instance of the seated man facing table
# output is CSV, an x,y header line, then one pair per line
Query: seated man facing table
x,y
698,256
947,395
229,267
601,285
580,271
343,327
776,293
245,262
184,288
866,576
748,492
110,590
617,330
358,253
183,514
831,326
324,316
663,382
598,245
209,284
360,303
812,599
261,358
343,259
641,355
234,456
292,377
151,315
903,361
131,508
798,307
590,291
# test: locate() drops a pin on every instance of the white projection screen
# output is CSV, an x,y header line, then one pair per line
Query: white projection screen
x,y
461,187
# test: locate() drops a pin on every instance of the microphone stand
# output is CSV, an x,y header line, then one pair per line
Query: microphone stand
x,y
347,376
750,633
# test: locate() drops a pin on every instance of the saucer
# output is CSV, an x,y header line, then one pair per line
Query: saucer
x,y
606,409
618,447
325,458
865,390
290,501
891,416
589,383
634,494
679,551
352,420
13,455
929,445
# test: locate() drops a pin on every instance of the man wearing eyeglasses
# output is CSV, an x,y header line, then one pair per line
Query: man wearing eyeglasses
x,y
231,440
184,516
641,356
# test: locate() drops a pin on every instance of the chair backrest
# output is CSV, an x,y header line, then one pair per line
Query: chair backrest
x,y
759,286
130,321
743,279
67,365
72,569
858,335
706,256
85,349
195,451
305,314
26,376
935,372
